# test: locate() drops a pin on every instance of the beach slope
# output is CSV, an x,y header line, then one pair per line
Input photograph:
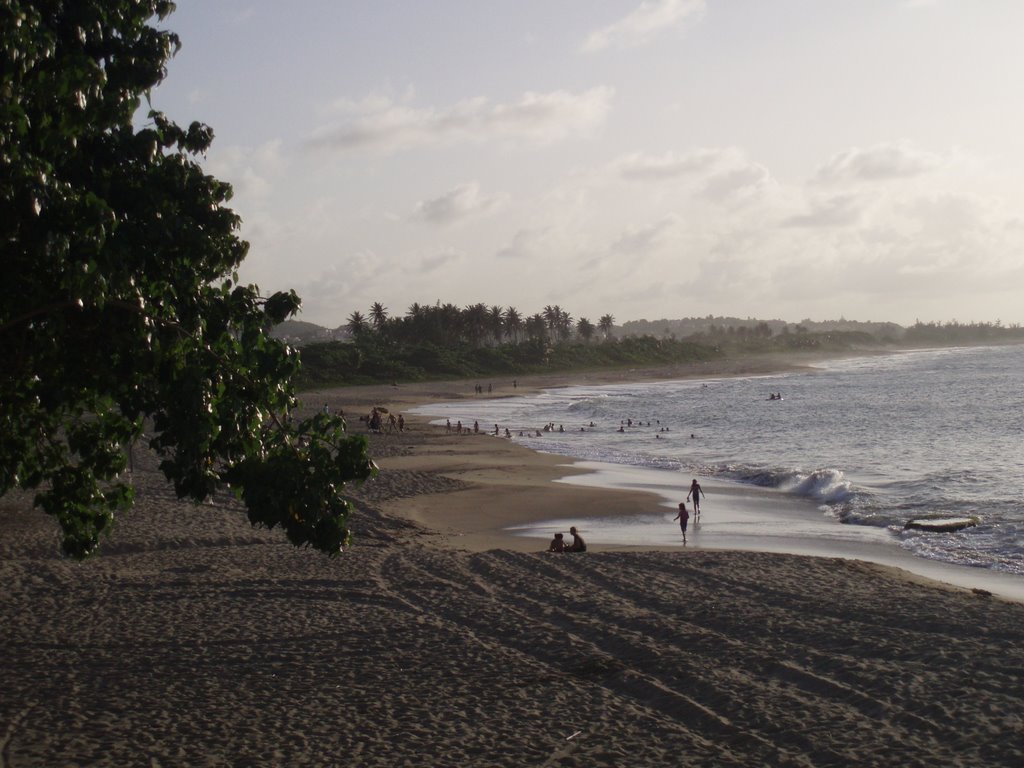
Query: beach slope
x,y
194,639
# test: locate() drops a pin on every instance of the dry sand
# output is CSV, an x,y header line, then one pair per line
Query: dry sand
x,y
195,640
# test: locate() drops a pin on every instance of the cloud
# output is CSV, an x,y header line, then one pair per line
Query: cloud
x,y
458,203
878,163
337,289
438,260
838,211
641,241
542,118
644,167
248,169
738,184
525,244
647,21
337,284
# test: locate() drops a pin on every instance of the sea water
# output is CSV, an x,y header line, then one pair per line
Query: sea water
x,y
868,443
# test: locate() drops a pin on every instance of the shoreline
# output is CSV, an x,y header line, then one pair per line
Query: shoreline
x,y
500,485
193,638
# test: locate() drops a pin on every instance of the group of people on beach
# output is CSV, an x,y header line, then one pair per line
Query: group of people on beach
x,y
461,430
550,427
558,544
381,420
684,514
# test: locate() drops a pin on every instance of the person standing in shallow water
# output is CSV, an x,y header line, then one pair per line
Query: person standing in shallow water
x,y
696,491
683,517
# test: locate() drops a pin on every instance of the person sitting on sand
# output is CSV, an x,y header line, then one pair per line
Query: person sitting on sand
x,y
578,545
557,544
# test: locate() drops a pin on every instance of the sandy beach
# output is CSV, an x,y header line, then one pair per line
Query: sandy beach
x,y
441,639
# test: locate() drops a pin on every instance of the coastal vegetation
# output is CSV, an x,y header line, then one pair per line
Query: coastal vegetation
x,y
445,341
122,318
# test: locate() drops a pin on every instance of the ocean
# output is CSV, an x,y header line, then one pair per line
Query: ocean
x,y
860,445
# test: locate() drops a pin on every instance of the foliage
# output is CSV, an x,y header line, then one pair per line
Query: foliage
x,y
121,307
443,341
371,358
954,332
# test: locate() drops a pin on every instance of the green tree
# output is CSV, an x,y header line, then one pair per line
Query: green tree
x,y
536,328
496,323
513,323
357,324
121,308
585,329
379,316
475,319
606,323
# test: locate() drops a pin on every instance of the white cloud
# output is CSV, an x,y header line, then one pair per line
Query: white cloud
x,y
439,260
647,21
643,167
456,204
737,185
337,285
640,241
249,170
524,245
542,118
837,211
878,163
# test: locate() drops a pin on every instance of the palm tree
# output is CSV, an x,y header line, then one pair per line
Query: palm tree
x,y
496,322
475,318
585,329
551,315
448,322
536,328
379,315
605,324
356,324
563,324
513,323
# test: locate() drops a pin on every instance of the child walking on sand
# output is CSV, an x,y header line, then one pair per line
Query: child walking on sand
x,y
683,517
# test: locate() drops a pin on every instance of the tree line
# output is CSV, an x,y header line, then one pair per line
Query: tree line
x,y
476,325
446,341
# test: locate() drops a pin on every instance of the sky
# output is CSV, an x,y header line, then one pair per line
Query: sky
x,y
773,159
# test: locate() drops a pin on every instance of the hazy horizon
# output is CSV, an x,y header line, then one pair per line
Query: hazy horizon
x,y
649,160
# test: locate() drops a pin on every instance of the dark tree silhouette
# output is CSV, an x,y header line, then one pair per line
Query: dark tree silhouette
x,y
513,324
357,324
378,315
120,305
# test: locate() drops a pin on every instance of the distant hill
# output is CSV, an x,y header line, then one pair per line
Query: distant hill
x,y
684,327
299,333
